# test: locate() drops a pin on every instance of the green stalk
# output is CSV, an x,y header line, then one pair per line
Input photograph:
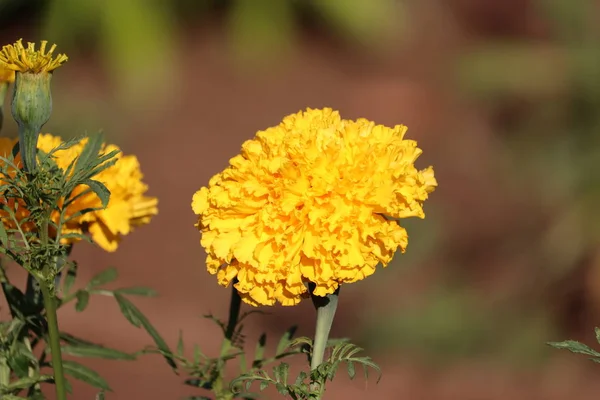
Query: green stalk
x,y
326,307
51,316
57,366
234,313
223,393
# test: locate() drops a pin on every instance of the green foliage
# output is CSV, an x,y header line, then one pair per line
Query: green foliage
x,y
579,348
208,373
308,385
27,331
35,242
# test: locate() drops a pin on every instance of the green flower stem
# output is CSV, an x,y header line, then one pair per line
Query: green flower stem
x,y
234,314
57,366
28,138
50,304
326,307
218,387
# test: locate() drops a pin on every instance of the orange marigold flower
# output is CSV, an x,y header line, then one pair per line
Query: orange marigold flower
x,y
313,199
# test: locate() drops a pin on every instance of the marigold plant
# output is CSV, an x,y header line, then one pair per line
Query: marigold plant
x,y
128,206
315,199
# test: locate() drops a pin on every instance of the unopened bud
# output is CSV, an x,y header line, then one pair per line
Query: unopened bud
x,y
31,100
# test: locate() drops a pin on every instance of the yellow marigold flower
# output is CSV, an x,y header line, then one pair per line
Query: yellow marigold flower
x,y
127,208
314,199
18,58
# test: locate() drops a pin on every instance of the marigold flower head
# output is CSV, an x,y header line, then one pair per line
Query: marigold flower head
x,y
128,206
18,58
313,199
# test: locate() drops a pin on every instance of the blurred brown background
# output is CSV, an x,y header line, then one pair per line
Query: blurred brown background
x,y
502,96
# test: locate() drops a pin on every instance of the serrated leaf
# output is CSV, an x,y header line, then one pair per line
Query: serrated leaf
x,y
27,382
597,330
282,389
70,276
575,347
89,152
100,189
197,354
83,298
76,236
366,371
135,316
301,341
285,340
263,385
3,235
104,277
284,370
96,351
351,370
19,363
127,310
217,321
70,339
260,350
85,374
180,346
68,386
138,291
301,377
19,304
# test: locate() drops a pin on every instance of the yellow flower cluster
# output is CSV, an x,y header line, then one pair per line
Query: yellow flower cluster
x,y
314,199
127,208
18,58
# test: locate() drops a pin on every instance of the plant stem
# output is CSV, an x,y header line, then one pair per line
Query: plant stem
x,y
47,289
235,304
326,307
234,313
57,366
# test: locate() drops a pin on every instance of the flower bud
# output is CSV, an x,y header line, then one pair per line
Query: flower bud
x,y
31,108
31,100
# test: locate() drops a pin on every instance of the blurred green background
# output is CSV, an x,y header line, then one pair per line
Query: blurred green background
x,y
503,97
